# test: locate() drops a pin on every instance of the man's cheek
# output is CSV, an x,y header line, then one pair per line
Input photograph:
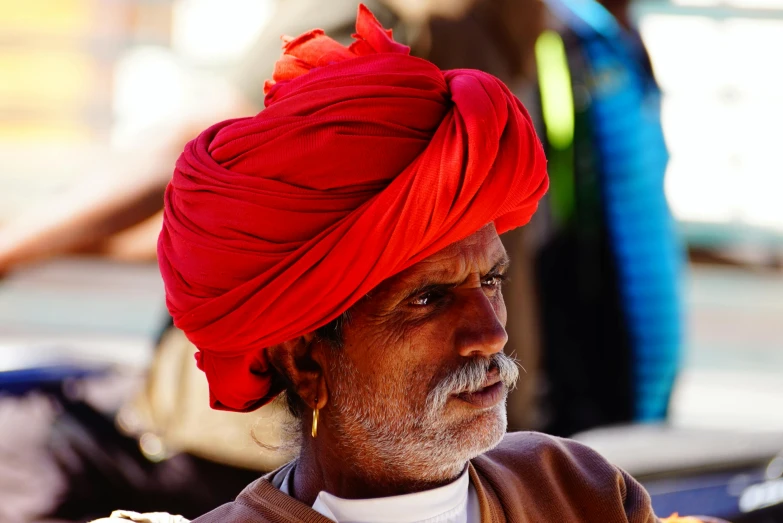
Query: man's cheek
x,y
381,346
400,334
499,304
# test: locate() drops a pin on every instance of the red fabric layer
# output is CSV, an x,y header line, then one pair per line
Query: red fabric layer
x,y
365,161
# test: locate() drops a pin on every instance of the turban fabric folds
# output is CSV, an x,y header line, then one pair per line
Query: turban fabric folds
x,y
364,161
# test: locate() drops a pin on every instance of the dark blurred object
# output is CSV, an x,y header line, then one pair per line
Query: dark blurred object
x,y
496,36
105,469
586,350
69,462
737,476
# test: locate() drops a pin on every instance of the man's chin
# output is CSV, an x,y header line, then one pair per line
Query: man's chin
x,y
493,426
466,440
440,452
481,431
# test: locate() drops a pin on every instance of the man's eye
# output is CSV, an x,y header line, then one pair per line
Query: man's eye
x,y
494,281
426,298
422,299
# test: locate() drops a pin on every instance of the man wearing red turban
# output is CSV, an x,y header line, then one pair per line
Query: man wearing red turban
x,y
341,248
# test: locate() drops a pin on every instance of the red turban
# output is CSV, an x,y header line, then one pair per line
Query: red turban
x,y
365,161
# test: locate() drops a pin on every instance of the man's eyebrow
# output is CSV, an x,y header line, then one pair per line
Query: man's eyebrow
x,y
431,282
501,265
426,287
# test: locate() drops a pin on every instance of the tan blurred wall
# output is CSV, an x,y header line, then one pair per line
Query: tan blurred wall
x,y
57,60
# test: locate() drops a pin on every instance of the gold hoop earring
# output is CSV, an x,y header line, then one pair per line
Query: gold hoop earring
x,y
314,431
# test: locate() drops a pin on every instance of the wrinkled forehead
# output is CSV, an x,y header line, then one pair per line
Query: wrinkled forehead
x,y
480,253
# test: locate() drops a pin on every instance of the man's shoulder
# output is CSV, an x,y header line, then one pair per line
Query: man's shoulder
x,y
247,507
263,502
532,473
515,440
539,446
230,512
549,459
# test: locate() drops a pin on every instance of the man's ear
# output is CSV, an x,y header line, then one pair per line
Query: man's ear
x,y
299,360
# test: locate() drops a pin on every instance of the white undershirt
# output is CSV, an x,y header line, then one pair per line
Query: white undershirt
x,y
456,502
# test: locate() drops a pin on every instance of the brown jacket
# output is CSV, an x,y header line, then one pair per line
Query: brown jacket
x,y
529,477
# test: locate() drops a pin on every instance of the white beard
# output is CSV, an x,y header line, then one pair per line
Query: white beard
x,y
407,445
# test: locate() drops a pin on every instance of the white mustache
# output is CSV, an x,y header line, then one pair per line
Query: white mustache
x,y
471,378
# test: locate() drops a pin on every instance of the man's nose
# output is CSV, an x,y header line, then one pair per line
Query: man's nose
x,y
480,331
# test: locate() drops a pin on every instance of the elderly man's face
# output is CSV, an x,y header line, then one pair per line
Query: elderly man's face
x,y
419,386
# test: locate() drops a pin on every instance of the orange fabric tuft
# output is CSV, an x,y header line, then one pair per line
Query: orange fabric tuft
x,y
315,49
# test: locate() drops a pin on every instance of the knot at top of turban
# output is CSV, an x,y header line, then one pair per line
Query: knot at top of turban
x,y
365,161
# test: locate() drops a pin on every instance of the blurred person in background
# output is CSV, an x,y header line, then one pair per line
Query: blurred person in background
x,y
610,264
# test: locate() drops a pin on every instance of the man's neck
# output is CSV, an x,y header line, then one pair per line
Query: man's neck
x,y
320,468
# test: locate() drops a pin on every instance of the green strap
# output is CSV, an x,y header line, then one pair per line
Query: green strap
x,y
557,105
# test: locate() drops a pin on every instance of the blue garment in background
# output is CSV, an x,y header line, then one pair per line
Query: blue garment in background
x,y
631,159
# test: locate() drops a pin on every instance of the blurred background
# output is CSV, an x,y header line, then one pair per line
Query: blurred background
x,y
100,404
